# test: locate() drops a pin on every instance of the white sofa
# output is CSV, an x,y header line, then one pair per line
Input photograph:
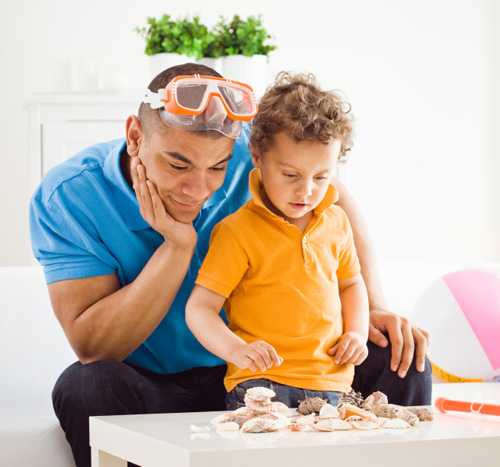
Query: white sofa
x,y
35,351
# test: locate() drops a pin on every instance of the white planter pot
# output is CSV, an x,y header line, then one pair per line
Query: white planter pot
x,y
160,62
214,63
252,70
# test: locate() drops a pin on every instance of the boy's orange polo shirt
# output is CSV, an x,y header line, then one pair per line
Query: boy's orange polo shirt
x,y
281,286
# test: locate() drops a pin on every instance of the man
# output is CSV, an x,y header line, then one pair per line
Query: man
x,y
121,230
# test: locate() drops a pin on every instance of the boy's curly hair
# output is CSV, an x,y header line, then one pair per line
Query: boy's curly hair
x,y
295,104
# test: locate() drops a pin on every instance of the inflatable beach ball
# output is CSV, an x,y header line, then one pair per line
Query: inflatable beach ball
x,y
461,312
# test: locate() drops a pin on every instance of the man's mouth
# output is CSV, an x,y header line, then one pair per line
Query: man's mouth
x,y
188,204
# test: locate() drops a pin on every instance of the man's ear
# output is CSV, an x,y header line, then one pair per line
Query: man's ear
x,y
134,134
256,156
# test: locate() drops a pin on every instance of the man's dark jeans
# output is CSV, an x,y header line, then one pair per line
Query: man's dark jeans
x,y
115,388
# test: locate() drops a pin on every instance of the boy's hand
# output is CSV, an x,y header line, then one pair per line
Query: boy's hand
x,y
350,348
258,356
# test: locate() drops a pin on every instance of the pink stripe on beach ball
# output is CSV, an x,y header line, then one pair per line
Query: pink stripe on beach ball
x,y
478,295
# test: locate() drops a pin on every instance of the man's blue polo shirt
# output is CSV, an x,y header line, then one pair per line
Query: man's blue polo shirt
x,y
85,221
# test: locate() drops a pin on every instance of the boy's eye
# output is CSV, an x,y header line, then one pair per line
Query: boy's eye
x,y
289,175
178,167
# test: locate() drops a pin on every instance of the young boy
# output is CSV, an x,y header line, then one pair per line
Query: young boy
x,y
284,266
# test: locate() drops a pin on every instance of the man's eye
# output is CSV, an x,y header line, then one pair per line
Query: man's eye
x,y
178,167
219,168
321,178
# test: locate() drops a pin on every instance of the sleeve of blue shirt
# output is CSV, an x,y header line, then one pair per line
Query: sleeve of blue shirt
x,y
64,241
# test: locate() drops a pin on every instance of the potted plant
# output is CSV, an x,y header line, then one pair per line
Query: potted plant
x,y
171,42
244,48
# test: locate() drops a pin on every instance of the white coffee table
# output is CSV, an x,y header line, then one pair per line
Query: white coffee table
x,y
166,440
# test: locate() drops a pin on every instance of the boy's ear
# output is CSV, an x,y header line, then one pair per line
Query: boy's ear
x,y
256,156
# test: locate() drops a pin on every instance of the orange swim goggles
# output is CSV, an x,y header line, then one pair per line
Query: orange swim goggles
x,y
202,103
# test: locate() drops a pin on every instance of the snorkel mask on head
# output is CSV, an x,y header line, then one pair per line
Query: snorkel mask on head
x,y
204,103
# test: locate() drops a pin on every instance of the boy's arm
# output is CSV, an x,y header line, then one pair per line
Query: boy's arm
x,y
406,339
354,299
351,347
204,321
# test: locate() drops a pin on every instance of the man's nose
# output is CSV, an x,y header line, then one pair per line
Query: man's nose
x,y
197,186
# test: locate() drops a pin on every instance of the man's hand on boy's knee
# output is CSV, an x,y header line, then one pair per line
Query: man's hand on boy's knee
x,y
407,341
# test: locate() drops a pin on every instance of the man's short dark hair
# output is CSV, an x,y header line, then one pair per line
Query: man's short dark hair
x,y
149,118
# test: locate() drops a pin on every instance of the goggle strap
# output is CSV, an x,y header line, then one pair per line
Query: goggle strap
x,y
154,99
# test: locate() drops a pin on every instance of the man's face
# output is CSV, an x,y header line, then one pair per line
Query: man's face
x,y
296,175
186,167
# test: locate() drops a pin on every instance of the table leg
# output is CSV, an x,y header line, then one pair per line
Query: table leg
x,y
103,459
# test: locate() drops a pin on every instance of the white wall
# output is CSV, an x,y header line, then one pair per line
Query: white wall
x,y
420,76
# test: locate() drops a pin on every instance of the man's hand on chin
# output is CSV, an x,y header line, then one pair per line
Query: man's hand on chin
x,y
406,340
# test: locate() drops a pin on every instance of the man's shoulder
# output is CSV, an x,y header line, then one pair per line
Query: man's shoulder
x,y
80,173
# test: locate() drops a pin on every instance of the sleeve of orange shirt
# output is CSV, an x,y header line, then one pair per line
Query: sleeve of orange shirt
x,y
225,264
347,256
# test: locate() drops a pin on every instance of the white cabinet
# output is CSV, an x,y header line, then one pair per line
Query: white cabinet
x,y
62,124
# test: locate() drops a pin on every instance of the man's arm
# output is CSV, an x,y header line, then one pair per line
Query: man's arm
x,y
406,340
104,321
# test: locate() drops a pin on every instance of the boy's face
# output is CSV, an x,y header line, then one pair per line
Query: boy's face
x,y
296,175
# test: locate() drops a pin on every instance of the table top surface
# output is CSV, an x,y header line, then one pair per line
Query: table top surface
x,y
175,429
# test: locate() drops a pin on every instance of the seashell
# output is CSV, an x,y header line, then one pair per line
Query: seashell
x,y
242,411
306,420
259,393
258,425
311,405
348,410
353,418
423,412
395,411
364,425
202,436
259,407
374,399
199,429
227,426
328,411
279,407
396,423
332,424
281,422
221,418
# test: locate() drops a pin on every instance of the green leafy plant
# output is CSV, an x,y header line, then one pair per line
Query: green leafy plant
x,y
191,37
184,36
241,37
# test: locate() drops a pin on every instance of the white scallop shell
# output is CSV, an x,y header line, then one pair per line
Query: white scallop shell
x,y
199,429
227,426
364,425
279,407
258,425
328,411
220,418
396,423
260,393
281,422
332,424
307,420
